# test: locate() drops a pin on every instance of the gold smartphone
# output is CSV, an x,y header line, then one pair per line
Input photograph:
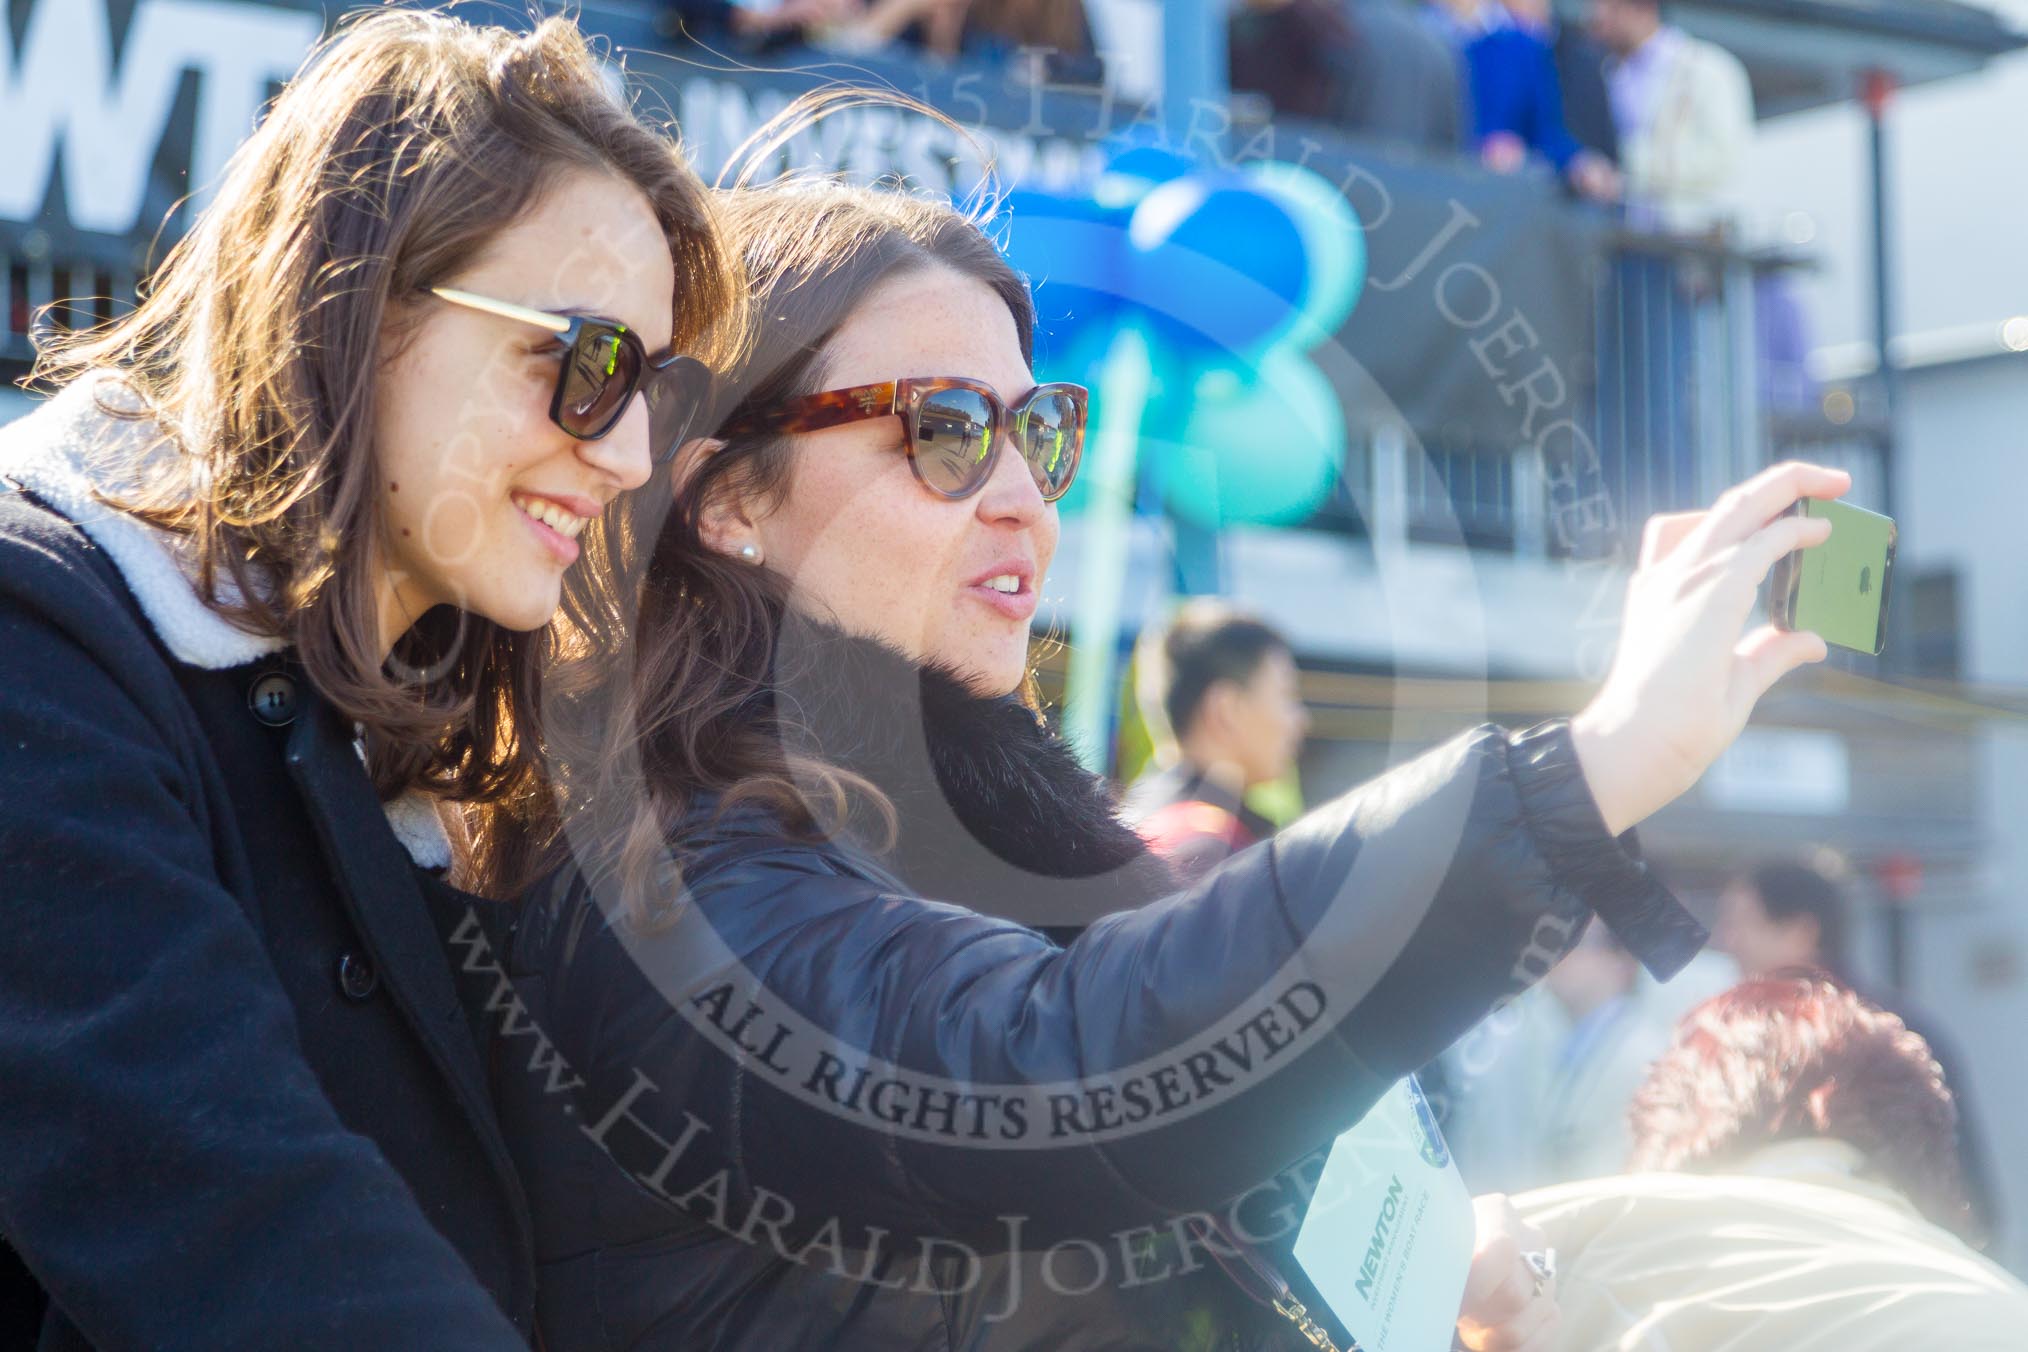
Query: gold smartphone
x,y
1837,590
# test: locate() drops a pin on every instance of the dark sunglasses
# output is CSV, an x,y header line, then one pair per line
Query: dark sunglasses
x,y
952,428
604,366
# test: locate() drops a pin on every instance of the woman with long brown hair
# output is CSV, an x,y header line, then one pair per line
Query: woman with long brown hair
x,y
277,562
794,1075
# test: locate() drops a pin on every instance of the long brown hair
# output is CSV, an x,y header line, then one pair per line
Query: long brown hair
x,y
408,141
690,718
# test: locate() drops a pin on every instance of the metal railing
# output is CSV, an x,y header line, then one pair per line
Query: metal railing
x,y
30,285
1699,383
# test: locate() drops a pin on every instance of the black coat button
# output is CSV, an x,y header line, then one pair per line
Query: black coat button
x,y
356,976
273,699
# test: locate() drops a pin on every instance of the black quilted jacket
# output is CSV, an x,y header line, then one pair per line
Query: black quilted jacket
x,y
830,1095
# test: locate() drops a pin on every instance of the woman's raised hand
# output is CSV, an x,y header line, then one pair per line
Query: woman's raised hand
x,y
1684,679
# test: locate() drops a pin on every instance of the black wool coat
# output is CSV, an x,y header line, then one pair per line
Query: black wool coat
x,y
241,1105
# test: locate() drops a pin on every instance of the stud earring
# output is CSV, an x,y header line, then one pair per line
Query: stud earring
x,y
750,552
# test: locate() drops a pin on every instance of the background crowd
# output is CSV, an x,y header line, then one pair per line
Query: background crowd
x,y
1623,107
1768,1091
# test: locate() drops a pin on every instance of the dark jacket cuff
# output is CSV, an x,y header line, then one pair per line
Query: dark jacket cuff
x,y
1608,874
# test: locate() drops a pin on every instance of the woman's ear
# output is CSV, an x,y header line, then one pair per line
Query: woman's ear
x,y
724,521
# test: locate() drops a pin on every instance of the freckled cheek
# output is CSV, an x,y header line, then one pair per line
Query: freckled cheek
x,y
479,455
934,554
451,525
881,574
941,586
899,568
1045,558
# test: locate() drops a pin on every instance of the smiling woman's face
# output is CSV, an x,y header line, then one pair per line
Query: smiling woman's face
x,y
484,495
866,546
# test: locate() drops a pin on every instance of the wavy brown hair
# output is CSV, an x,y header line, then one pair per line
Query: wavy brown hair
x,y
689,717
405,145
1795,1056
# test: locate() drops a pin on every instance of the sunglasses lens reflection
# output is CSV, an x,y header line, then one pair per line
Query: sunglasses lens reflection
x,y
600,372
1053,440
954,441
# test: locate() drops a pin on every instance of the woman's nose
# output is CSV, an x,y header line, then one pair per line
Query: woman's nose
x,y
623,454
1010,494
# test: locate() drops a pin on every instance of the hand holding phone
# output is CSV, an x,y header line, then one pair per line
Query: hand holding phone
x,y
1838,589
1685,678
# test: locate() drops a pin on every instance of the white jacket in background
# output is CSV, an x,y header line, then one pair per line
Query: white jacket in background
x,y
1683,167
1796,1250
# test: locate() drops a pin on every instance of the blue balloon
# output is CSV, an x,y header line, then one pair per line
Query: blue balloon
x,y
1076,357
1334,246
1217,267
1081,359
1139,167
1072,251
1261,447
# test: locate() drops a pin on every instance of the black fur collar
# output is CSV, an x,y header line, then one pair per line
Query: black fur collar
x,y
995,813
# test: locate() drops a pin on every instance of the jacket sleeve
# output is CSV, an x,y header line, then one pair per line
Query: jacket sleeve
x,y
1719,132
1552,137
170,1169
818,1047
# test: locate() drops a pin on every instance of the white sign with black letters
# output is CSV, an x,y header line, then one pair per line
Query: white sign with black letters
x,y
1388,1237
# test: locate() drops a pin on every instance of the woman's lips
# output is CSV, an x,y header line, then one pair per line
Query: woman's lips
x,y
555,522
1014,605
561,547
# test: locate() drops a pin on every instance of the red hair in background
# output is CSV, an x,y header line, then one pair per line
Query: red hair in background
x,y
1793,1057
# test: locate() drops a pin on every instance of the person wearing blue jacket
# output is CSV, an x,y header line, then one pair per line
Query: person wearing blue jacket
x,y
1516,99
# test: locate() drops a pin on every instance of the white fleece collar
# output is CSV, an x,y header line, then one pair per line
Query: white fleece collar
x,y
68,451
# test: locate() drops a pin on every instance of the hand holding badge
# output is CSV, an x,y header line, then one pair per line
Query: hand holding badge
x,y
1510,1294
1403,1255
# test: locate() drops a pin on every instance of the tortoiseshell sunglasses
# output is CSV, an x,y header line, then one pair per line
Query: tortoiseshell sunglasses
x,y
952,428
604,365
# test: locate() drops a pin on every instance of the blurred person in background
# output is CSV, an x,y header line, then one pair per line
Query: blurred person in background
x,y
1580,76
1782,345
1539,1093
1053,37
1368,67
1001,29
1794,1187
1685,115
1229,695
1796,914
1515,99
773,23
1299,54
1403,81
1684,111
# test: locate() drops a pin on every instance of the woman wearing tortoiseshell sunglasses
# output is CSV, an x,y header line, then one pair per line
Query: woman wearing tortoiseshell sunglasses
x,y
789,1082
